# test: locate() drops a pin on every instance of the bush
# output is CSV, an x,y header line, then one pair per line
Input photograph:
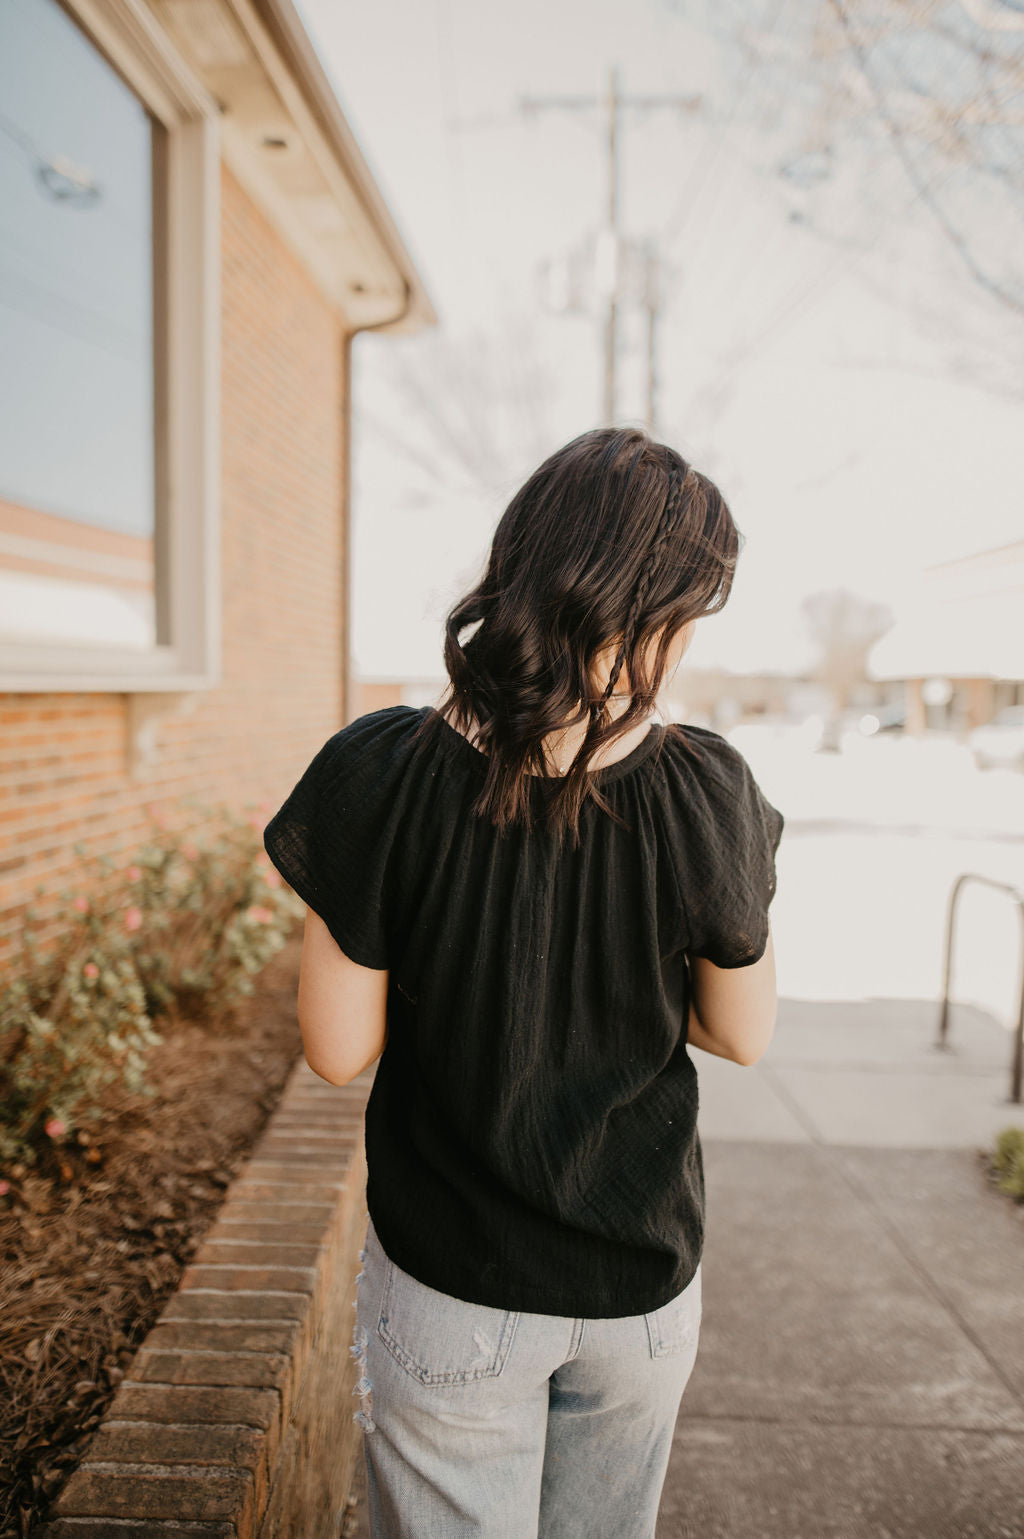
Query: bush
x,y
86,1027
1008,1161
206,920
182,929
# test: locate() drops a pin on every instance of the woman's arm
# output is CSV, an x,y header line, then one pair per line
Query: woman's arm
x,y
696,1036
342,1007
733,1009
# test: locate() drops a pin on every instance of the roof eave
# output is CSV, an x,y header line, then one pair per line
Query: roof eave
x,y
291,38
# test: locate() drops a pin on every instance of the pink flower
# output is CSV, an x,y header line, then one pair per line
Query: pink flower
x,y
132,918
81,903
5,1187
272,878
255,821
91,970
260,914
190,851
134,872
54,1128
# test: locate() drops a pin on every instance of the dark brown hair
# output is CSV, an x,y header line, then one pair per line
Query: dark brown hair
x,y
615,537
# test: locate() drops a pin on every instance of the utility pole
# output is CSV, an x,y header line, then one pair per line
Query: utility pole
x,y
610,325
652,304
609,247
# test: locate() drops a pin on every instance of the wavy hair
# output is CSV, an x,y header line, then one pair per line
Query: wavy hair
x,y
615,538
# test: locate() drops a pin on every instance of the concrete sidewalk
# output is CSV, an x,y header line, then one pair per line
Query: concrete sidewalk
x,y
861,1368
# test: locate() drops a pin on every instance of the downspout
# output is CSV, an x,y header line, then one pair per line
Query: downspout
x,y
347,681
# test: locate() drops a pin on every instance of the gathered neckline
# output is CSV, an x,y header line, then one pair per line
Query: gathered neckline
x,y
607,772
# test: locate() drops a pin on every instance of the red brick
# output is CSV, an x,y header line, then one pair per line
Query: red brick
x,y
222,1249
188,1404
303,1092
253,1278
295,1136
292,1175
329,1119
101,1528
221,1336
256,1370
139,1442
239,1210
279,1230
159,1491
200,1304
318,1161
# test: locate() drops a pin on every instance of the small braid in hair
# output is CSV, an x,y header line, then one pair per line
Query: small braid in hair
x,y
666,527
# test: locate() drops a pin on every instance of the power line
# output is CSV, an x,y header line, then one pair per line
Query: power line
x,y
683,213
786,315
752,88
76,321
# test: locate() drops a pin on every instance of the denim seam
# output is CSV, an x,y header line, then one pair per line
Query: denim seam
x,y
424,1375
363,1387
666,1344
578,1329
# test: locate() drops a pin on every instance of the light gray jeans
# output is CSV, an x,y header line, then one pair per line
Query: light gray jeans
x,y
502,1424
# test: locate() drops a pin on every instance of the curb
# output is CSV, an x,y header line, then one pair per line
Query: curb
x,y
234,1418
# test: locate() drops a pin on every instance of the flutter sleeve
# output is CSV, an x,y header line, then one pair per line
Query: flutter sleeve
x,y
332,837
729,875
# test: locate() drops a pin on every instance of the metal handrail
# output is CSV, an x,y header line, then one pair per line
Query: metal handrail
x,y
1017,1061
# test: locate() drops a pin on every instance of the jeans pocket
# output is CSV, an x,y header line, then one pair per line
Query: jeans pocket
x,y
675,1327
439,1339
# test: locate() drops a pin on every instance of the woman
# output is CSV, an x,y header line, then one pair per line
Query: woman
x,y
529,903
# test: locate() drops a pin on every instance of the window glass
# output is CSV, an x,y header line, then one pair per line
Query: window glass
x,y
77,450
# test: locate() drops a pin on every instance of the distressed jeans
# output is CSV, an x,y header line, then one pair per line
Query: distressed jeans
x,y
502,1424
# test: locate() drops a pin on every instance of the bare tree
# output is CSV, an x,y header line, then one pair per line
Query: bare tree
x,y
949,91
844,627
872,112
470,411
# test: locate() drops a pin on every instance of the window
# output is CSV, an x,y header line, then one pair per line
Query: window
x,y
108,343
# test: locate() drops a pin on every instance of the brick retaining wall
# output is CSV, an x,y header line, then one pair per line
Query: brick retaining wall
x,y
234,1419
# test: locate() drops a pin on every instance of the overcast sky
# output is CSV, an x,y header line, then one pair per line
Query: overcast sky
x,y
824,354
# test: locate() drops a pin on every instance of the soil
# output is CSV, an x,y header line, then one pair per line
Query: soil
x,y
92,1244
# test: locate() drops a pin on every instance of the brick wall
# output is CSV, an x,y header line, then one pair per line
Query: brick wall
x,y
63,774
235,1418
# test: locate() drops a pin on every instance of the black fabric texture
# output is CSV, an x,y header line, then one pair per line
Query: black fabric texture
x,y
531,1133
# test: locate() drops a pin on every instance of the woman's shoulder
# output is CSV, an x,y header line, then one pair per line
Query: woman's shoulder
x,y
699,748
380,732
367,755
712,781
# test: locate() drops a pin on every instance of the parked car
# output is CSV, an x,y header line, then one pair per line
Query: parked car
x,y
999,741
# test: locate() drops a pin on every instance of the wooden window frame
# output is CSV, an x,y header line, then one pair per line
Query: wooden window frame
x,y
187,653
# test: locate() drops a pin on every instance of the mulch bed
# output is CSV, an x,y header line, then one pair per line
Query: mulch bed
x,y
91,1249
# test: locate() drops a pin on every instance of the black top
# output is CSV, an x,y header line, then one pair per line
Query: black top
x,y
531,1132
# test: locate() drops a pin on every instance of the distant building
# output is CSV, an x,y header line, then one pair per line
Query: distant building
x,y
709,697
958,644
